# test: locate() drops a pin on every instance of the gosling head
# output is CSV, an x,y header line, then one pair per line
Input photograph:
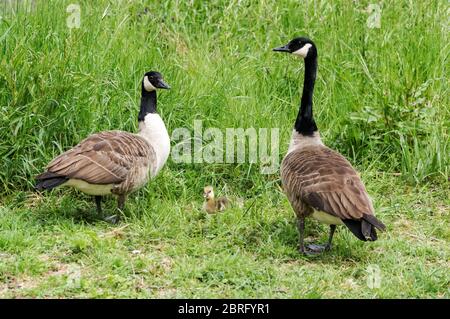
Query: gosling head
x,y
301,47
153,80
208,192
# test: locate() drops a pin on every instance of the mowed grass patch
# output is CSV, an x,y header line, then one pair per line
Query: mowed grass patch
x,y
180,251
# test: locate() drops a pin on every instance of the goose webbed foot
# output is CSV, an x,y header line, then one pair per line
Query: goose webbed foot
x,y
318,248
113,219
314,249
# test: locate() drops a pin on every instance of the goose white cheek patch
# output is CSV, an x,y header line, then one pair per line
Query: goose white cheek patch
x,y
148,86
303,51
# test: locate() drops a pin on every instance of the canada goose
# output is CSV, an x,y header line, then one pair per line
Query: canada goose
x,y
318,181
213,205
115,162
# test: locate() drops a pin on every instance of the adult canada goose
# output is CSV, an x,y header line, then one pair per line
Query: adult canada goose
x,y
115,162
213,205
318,181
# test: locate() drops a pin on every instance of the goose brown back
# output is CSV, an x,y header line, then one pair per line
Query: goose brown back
x,y
318,178
111,157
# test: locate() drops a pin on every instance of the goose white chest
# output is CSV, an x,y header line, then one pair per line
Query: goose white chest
x,y
299,141
154,131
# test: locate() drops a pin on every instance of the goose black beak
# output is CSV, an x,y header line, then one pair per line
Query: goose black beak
x,y
163,85
282,49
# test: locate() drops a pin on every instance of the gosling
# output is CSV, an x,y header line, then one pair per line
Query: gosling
x,y
213,205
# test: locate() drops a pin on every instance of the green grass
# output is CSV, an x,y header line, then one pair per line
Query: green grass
x,y
381,99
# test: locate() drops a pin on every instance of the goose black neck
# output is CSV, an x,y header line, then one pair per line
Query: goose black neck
x,y
148,104
305,123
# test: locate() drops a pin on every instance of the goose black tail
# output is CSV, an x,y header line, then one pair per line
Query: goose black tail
x,y
364,229
49,180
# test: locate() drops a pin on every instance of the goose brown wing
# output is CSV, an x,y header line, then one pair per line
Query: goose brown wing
x,y
326,181
103,158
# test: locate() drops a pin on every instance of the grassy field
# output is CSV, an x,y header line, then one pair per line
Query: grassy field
x,y
381,99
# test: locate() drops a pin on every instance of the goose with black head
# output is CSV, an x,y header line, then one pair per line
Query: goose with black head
x,y
318,181
115,162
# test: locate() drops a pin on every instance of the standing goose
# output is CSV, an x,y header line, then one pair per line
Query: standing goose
x,y
318,181
115,162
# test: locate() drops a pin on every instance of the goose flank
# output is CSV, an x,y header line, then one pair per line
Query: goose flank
x,y
320,182
115,162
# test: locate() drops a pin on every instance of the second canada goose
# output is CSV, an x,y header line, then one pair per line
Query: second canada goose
x,y
318,181
115,162
213,205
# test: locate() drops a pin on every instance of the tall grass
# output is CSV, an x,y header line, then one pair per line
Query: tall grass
x,y
381,96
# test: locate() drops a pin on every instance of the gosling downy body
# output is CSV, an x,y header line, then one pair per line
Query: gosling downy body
x,y
115,162
213,205
318,181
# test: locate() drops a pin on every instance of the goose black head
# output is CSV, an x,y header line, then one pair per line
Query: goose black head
x,y
153,80
301,46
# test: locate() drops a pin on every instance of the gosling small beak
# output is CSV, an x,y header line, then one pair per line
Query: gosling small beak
x,y
282,49
163,85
